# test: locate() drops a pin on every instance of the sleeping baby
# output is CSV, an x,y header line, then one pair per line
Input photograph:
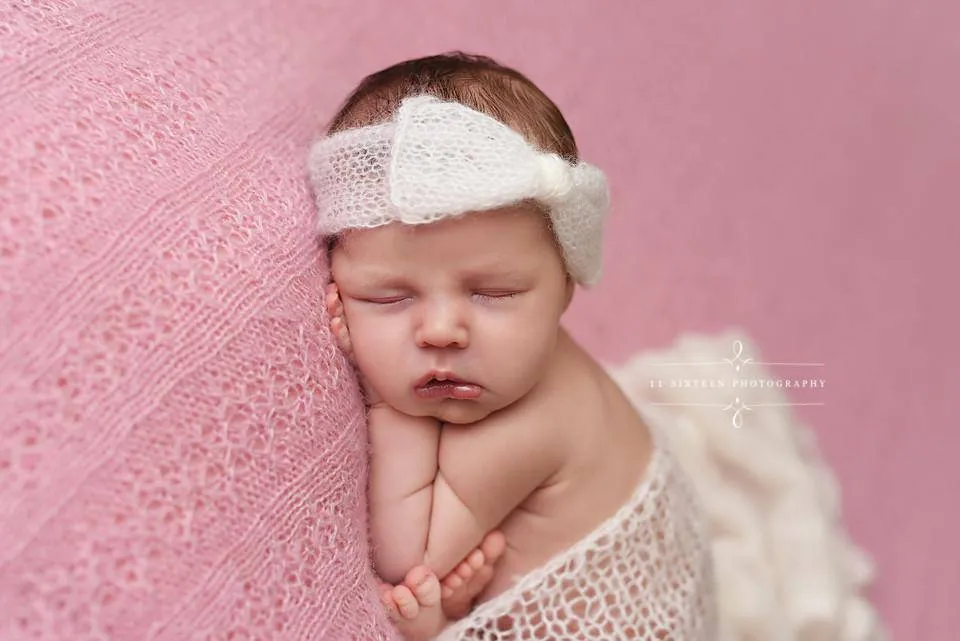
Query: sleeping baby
x,y
459,221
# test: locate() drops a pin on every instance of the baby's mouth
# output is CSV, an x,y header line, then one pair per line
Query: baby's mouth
x,y
442,386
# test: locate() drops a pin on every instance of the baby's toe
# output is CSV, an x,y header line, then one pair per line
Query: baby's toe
x,y
480,580
476,559
453,581
464,571
493,546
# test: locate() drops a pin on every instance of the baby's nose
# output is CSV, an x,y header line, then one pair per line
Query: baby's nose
x,y
442,325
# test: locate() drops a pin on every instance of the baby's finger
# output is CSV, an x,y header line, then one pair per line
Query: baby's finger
x,y
332,300
339,329
406,602
330,303
343,334
386,597
334,306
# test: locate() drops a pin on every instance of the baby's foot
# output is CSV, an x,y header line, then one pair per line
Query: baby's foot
x,y
462,586
414,605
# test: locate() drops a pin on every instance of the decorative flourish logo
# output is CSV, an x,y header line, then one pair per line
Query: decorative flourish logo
x,y
742,383
738,408
736,361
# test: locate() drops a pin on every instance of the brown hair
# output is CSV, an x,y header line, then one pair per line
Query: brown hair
x,y
476,81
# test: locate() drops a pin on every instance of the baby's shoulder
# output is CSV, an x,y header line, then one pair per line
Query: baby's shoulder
x,y
573,391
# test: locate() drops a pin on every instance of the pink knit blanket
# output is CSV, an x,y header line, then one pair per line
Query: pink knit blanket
x,y
182,450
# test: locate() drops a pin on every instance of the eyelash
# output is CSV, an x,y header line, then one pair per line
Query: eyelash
x,y
386,301
503,296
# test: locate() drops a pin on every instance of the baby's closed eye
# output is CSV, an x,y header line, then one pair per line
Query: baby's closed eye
x,y
495,295
383,300
394,298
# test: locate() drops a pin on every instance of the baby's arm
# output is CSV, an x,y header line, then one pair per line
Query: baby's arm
x,y
403,466
435,493
486,470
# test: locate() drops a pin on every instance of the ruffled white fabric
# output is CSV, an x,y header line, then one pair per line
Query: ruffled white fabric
x,y
734,535
436,160
786,568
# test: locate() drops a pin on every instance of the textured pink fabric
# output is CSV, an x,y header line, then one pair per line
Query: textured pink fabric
x,y
182,452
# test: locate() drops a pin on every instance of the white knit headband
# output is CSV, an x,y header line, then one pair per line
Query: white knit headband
x,y
436,160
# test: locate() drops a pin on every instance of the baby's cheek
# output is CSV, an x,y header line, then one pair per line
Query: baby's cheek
x,y
367,329
376,348
529,352
369,347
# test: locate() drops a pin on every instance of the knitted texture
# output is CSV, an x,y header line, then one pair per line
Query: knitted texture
x,y
436,159
182,448
644,574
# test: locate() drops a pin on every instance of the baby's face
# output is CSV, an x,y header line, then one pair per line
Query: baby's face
x,y
476,300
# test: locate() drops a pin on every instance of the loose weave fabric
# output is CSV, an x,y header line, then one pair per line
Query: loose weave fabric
x,y
182,448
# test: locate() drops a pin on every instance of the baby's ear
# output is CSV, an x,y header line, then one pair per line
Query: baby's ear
x,y
571,286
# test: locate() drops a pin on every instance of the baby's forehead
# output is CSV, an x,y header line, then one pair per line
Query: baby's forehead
x,y
521,223
481,255
472,246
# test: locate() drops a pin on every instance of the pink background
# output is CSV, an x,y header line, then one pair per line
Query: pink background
x,y
790,169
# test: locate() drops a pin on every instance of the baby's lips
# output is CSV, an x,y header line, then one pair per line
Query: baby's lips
x,y
449,389
441,376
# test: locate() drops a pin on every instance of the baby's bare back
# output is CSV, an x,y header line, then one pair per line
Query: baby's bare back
x,y
605,452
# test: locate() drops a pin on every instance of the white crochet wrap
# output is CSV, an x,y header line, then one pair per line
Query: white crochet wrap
x,y
734,534
645,573
436,160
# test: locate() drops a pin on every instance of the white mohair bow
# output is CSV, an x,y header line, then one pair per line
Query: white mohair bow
x,y
438,159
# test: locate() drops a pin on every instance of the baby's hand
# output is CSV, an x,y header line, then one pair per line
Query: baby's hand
x,y
414,605
421,606
338,325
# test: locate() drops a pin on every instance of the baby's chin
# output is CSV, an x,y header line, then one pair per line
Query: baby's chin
x,y
457,412
461,412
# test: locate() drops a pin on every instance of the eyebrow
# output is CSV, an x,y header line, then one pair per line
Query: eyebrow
x,y
493,271
379,277
499,273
